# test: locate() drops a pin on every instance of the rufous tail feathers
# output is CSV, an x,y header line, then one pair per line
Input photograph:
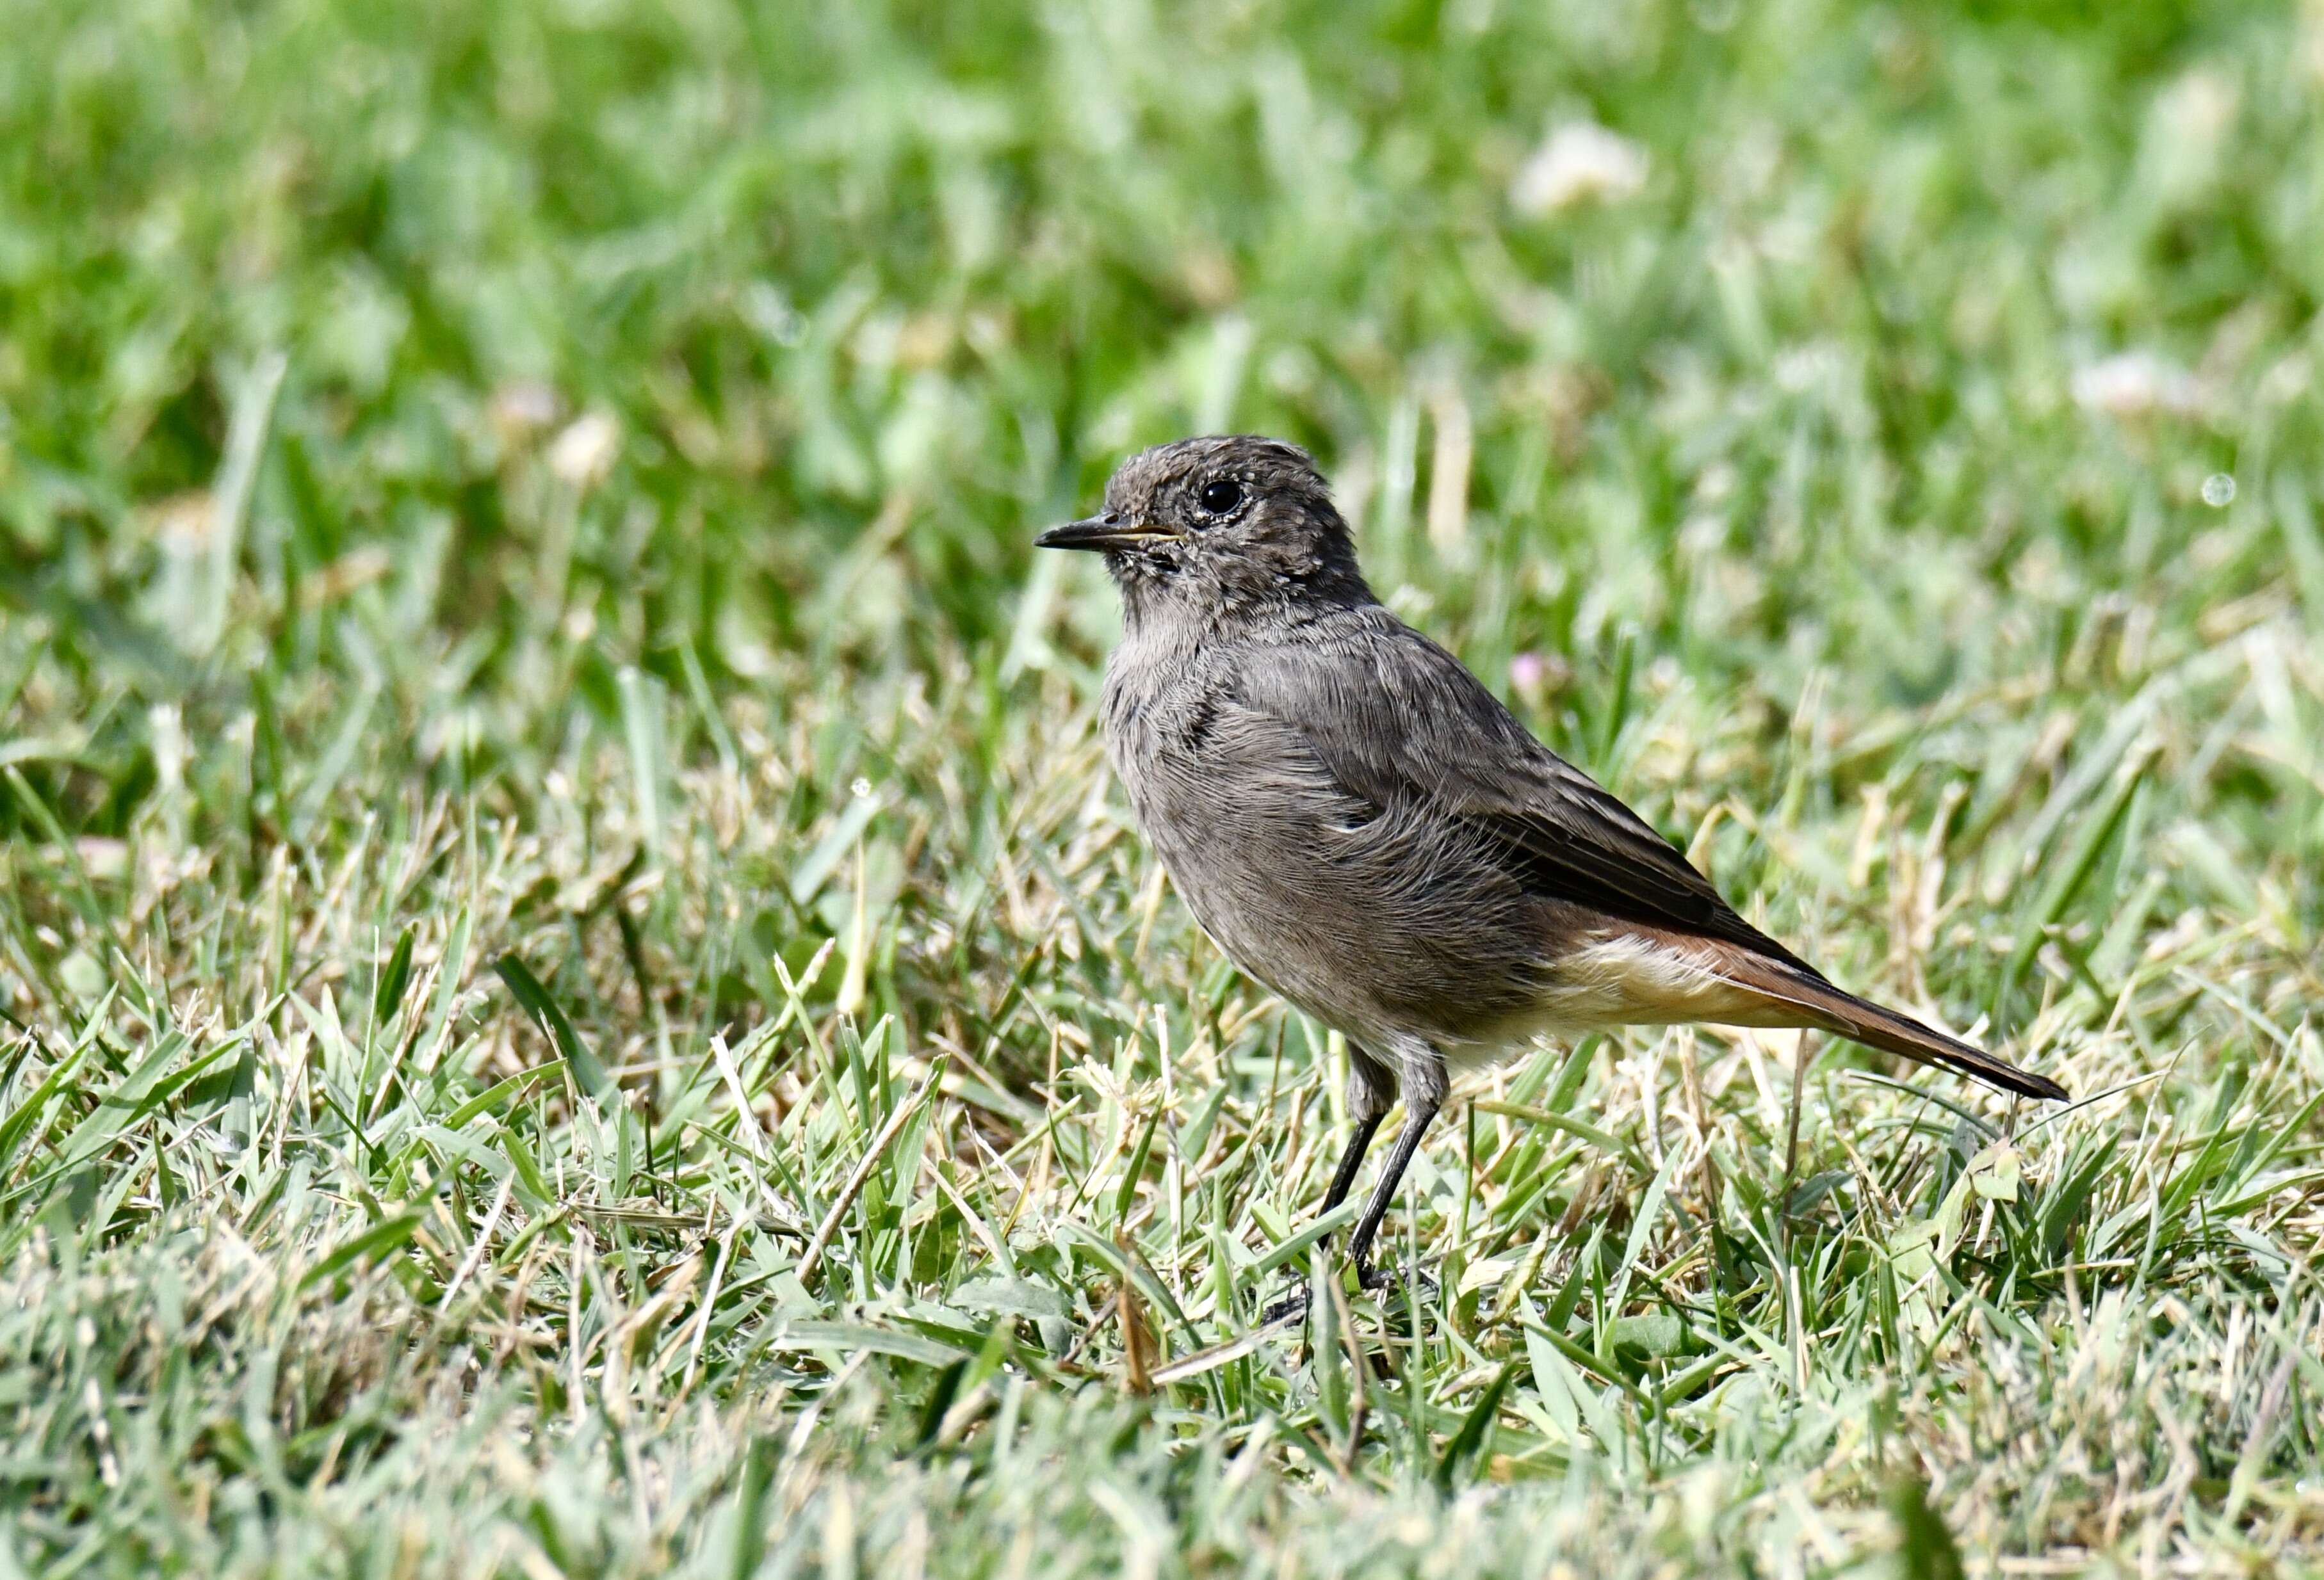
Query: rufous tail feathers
x,y
1821,1005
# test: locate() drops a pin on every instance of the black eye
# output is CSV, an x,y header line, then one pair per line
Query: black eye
x,y
1220,498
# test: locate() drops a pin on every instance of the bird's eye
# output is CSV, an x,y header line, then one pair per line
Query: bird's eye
x,y
1220,498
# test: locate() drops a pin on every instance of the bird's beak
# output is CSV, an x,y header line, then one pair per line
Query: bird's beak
x,y
1108,531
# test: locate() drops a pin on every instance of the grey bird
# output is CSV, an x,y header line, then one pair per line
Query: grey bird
x,y
1362,826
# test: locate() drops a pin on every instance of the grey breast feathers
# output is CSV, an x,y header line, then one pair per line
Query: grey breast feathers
x,y
1378,914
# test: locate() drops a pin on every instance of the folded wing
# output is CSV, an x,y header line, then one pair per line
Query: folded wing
x,y
1420,726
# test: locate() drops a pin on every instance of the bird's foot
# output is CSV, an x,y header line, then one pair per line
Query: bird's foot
x,y
1374,1280
1289,1307
1297,1297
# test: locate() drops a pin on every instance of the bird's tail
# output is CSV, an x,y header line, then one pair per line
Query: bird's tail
x,y
1817,1003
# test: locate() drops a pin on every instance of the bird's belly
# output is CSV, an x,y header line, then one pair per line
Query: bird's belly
x,y
1371,932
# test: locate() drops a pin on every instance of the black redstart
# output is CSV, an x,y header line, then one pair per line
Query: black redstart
x,y
1362,826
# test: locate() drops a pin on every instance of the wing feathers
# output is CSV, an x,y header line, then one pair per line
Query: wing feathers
x,y
1427,730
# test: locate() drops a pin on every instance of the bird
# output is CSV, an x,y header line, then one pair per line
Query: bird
x,y
1361,826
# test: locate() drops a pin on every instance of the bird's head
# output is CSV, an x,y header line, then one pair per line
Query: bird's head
x,y
1219,527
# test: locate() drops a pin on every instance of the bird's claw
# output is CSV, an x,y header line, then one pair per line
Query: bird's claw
x,y
1374,1280
1292,1305
1294,1302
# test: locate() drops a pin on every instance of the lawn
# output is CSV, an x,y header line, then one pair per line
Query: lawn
x,y
580,999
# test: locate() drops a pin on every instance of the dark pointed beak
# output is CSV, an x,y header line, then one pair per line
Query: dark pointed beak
x,y
1102,532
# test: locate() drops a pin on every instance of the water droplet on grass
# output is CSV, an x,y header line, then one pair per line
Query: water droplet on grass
x,y
2218,491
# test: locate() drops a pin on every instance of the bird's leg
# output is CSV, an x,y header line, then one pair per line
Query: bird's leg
x,y
1294,1301
1351,1160
1370,1089
1421,1100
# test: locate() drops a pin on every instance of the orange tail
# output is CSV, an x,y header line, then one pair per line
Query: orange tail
x,y
1821,1005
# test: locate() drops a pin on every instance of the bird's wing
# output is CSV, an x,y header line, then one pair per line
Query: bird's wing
x,y
1395,718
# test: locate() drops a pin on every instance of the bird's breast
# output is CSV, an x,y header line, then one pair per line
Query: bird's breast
x,y
1375,918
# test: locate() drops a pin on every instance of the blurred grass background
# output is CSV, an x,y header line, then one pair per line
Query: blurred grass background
x,y
550,483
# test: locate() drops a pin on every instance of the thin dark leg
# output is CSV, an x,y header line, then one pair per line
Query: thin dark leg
x,y
1371,1091
1421,1108
1353,1159
1295,1299
1371,1087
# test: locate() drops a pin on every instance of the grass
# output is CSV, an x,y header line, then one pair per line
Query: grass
x,y
579,1001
